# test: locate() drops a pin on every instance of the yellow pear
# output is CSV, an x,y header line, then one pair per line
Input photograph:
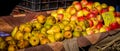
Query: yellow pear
x,y
34,41
68,34
27,36
19,35
58,36
44,41
51,38
41,18
14,31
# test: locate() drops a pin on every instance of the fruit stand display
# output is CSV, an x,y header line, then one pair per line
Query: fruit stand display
x,y
81,24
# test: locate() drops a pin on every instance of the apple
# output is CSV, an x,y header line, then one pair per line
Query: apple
x,y
84,3
117,19
34,41
41,18
103,29
72,10
51,38
99,25
73,18
27,36
60,17
58,36
99,8
91,15
79,13
104,5
95,11
108,28
86,11
99,18
104,10
89,5
111,8
68,34
74,2
60,11
76,34
78,28
90,22
78,6
81,18
95,4
89,31
114,25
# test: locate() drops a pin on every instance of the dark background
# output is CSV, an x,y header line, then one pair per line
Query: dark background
x,y
6,6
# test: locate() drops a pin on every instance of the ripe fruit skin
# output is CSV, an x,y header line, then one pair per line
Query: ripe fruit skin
x,y
78,6
67,34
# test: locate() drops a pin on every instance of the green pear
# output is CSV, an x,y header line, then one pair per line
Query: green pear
x,y
14,31
34,41
51,38
58,36
76,34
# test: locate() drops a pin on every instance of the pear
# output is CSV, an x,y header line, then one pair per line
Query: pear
x,y
78,28
58,36
41,19
65,22
50,20
14,31
22,44
36,26
34,41
11,42
61,25
68,34
19,35
66,16
12,48
84,33
27,36
51,38
47,26
76,34
44,41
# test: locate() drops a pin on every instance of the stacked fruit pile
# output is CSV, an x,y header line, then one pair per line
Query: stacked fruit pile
x,y
82,18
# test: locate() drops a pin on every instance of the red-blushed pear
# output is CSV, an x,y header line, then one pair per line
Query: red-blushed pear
x,y
60,11
86,11
60,17
104,5
104,10
114,25
79,13
117,20
95,4
84,3
111,8
89,5
99,25
78,6
90,22
95,11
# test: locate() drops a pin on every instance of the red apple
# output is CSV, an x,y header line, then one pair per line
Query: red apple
x,y
89,5
99,25
95,11
81,18
72,10
114,25
104,5
79,13
78,6
117,20
108,28
90,22
99,18
111,8
90,31
86,11
104,10
91,15
75,2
